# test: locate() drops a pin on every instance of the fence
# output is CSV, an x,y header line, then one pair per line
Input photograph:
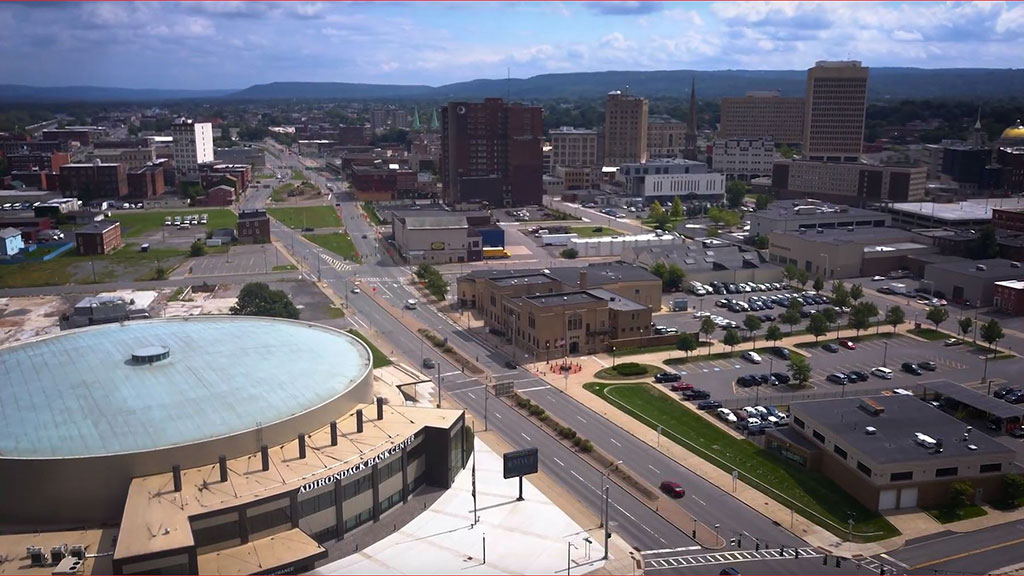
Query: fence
x,y
27,255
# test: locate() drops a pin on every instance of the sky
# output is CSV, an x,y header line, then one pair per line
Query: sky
x,y
206,45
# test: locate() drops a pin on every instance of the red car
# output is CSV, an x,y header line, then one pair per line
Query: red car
x,y
681,387
673,489
848,345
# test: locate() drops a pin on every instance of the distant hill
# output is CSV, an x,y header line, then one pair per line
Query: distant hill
x,y
885,83
12,93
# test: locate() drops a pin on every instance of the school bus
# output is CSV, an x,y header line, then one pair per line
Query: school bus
x,y
493,253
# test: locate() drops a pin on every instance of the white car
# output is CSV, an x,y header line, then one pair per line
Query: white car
x,y
701,314
881,372
750,411
751,356
762,412
877,278
727,416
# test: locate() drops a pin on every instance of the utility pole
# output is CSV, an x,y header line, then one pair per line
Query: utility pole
x,y
607,527
438,384
485,411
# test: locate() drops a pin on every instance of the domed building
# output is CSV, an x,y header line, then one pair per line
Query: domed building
x,y
1014,135
1008,158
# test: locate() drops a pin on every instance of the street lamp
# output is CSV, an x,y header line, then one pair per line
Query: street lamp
x,y
885,354
568,557
826,263
717,526
604,478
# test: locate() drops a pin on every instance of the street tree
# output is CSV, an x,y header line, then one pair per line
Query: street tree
x,y
258,299
800,369
789,273
762,201
734,193
856,292
773,333
991,332
752,324
791,316
673,280
677,208
840,294
831,316
802,277
965,324
961,495
937,315
656,210
707,327
732,338
817,325
686,343
894,316
860,316
819,284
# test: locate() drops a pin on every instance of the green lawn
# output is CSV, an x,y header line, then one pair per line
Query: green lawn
x,y
815,496
611,374
380,359
948,515
338,242
135,265
928,334
284,268
371,213
594,231
298,174
697,356
306,217
134,224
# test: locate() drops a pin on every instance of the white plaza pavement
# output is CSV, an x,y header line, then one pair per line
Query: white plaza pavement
x,y
528,537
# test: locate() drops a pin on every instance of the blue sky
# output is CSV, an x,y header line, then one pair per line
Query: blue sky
x,y
236,44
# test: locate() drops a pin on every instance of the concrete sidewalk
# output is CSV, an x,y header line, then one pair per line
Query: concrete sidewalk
x,y
529,537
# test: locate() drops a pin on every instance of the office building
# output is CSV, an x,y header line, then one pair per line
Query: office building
x,y
891,452
625,129
94,180
666,137
573,147
847,252
665,179
254,226
853,183
37,161
97,238
146,182
193,145
742,159
763,115
491,154
835,104
811,214
133,158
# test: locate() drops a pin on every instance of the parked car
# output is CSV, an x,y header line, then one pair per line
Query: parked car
x,y
673,489
953,342
665,377
1003,391
751,356
747,380
356,290
848,344
781,377
882,372
928,365
696,395
857,376
708,405
830,348
766,380
1015,397
911,368
681,387
838,378
726,415
780,352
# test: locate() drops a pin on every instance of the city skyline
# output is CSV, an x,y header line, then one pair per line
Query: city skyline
x,y
224,45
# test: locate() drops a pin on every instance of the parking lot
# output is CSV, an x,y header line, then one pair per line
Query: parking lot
x,y
252,259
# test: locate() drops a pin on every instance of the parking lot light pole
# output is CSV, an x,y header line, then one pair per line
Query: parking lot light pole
x,y
885,354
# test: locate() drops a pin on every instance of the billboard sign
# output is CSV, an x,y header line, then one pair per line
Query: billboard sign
x,y
521,462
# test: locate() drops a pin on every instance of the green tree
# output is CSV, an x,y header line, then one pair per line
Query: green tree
x,y
786,152
673,280
961,495
830,314
677,208
819,284
840,294
985,246
991,332
802,277
1013,487
965,324
860,316
198,248
790,272
762,201
761,243
735,191
258,299
663,221
937,315
569,253
773,333
856,292
707,327
732,338
752,324
656,211
817,325
800,369
659,269
791,317
687,343
894,316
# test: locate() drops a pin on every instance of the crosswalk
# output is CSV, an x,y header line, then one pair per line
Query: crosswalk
x,y
728,557
333,262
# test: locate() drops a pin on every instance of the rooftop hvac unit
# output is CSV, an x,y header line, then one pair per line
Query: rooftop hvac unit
x,y
924,440
67,566
36,556
78,551
58,553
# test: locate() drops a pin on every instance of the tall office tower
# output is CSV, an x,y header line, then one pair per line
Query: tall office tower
x,y
763,115
690,142
193,145
625,129
491,153
835,104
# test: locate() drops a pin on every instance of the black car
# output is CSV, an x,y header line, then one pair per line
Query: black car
x,y
830,348
857,376
667,377
730,571
747,381
780,352
911,368
928,365
767,380
1004,391
709,405
767,317
511,365
805,313
1015,398
781,377
696,395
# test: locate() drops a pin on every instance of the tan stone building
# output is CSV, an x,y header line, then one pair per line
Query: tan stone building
x,y
436,239
853,183
835,103
573,147
665,138
547,313
625,129
763,115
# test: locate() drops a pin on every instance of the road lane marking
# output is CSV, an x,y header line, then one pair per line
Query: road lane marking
x,y
557,460
895,561
581,419
653,468
471,395
452,372
614,441
667,550
525,436
532,389
699,500
498,415
968,553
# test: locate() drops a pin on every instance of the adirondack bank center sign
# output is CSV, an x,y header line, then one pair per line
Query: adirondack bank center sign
x,y
342,474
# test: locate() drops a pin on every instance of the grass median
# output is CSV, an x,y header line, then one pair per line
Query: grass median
x,y
817,497
306,217
380,359
628,371
338,242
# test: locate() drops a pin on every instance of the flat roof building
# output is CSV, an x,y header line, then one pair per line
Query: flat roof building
x,y
971,281
808,213
763,115
855,183
969,214
664,179
99,237
625,129
834,109
845,253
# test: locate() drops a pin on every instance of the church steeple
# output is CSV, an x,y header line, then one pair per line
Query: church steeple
x,y
690,141
434,124
416,119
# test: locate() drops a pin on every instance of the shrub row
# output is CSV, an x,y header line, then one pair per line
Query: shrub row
x,y
630,369
564,431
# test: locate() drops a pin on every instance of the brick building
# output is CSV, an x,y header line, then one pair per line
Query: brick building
x,y
253,226
102,237
221,195
37,161
94,180
146,183
1009,297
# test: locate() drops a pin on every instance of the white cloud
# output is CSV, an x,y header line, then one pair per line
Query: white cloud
x,y
906,35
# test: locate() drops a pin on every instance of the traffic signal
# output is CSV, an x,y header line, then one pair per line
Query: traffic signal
x,y
757,546
839,562
739,541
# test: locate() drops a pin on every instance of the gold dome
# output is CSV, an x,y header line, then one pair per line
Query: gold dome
x,y
1013,132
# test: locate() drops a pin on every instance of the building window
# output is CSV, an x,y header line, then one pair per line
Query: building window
x,y
901,476
818,436
946,472
390,469
575,322
317,503
326,535
356,487
391,501
986,468
799,423
270,519
863,469
358,520
839,451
